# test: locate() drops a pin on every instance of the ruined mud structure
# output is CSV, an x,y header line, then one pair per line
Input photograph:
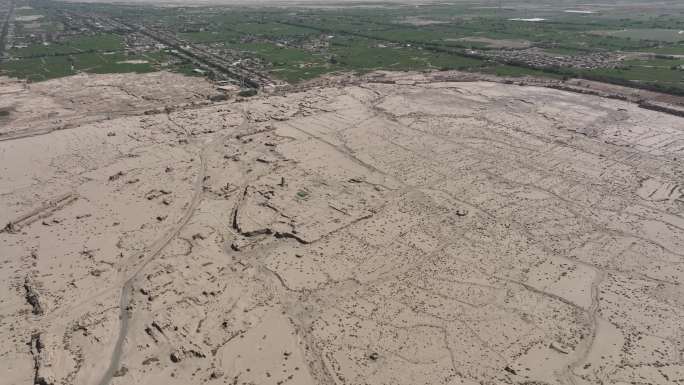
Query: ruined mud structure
x,y
396,232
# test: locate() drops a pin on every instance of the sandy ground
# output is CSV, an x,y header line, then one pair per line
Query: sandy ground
x,y
439,233
37,108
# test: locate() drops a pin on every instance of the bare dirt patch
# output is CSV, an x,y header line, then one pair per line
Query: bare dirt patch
x,y
420,232
496,43
70,102
421,21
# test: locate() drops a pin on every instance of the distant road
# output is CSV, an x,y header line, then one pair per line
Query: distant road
x,y
5,28
248,77
186,50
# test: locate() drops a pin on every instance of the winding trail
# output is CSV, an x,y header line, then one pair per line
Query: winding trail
x,y
155,250
584,348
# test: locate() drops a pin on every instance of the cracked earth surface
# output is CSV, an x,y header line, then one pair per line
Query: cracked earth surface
x,y
423,233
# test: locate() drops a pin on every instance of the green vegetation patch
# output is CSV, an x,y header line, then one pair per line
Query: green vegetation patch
x,y
300,43
273,29
51,67
25,11
674,49
365,55
652,34
662,71
289,64
37,69
96,43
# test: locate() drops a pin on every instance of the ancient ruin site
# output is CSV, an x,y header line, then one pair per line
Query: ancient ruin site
x,y
395,228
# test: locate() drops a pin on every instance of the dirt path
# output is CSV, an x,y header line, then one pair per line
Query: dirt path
x,y
156,249
583,350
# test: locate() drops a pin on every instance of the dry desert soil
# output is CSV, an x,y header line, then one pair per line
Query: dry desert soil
x,y
420,232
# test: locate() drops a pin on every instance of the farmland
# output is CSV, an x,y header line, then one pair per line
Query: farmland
x,y
614,43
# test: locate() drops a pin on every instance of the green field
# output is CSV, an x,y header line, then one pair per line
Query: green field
x,y
50,67
675,49
301,42
96,43
664,71
652,34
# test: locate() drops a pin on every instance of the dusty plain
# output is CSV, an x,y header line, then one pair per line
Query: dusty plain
x,y
419,232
